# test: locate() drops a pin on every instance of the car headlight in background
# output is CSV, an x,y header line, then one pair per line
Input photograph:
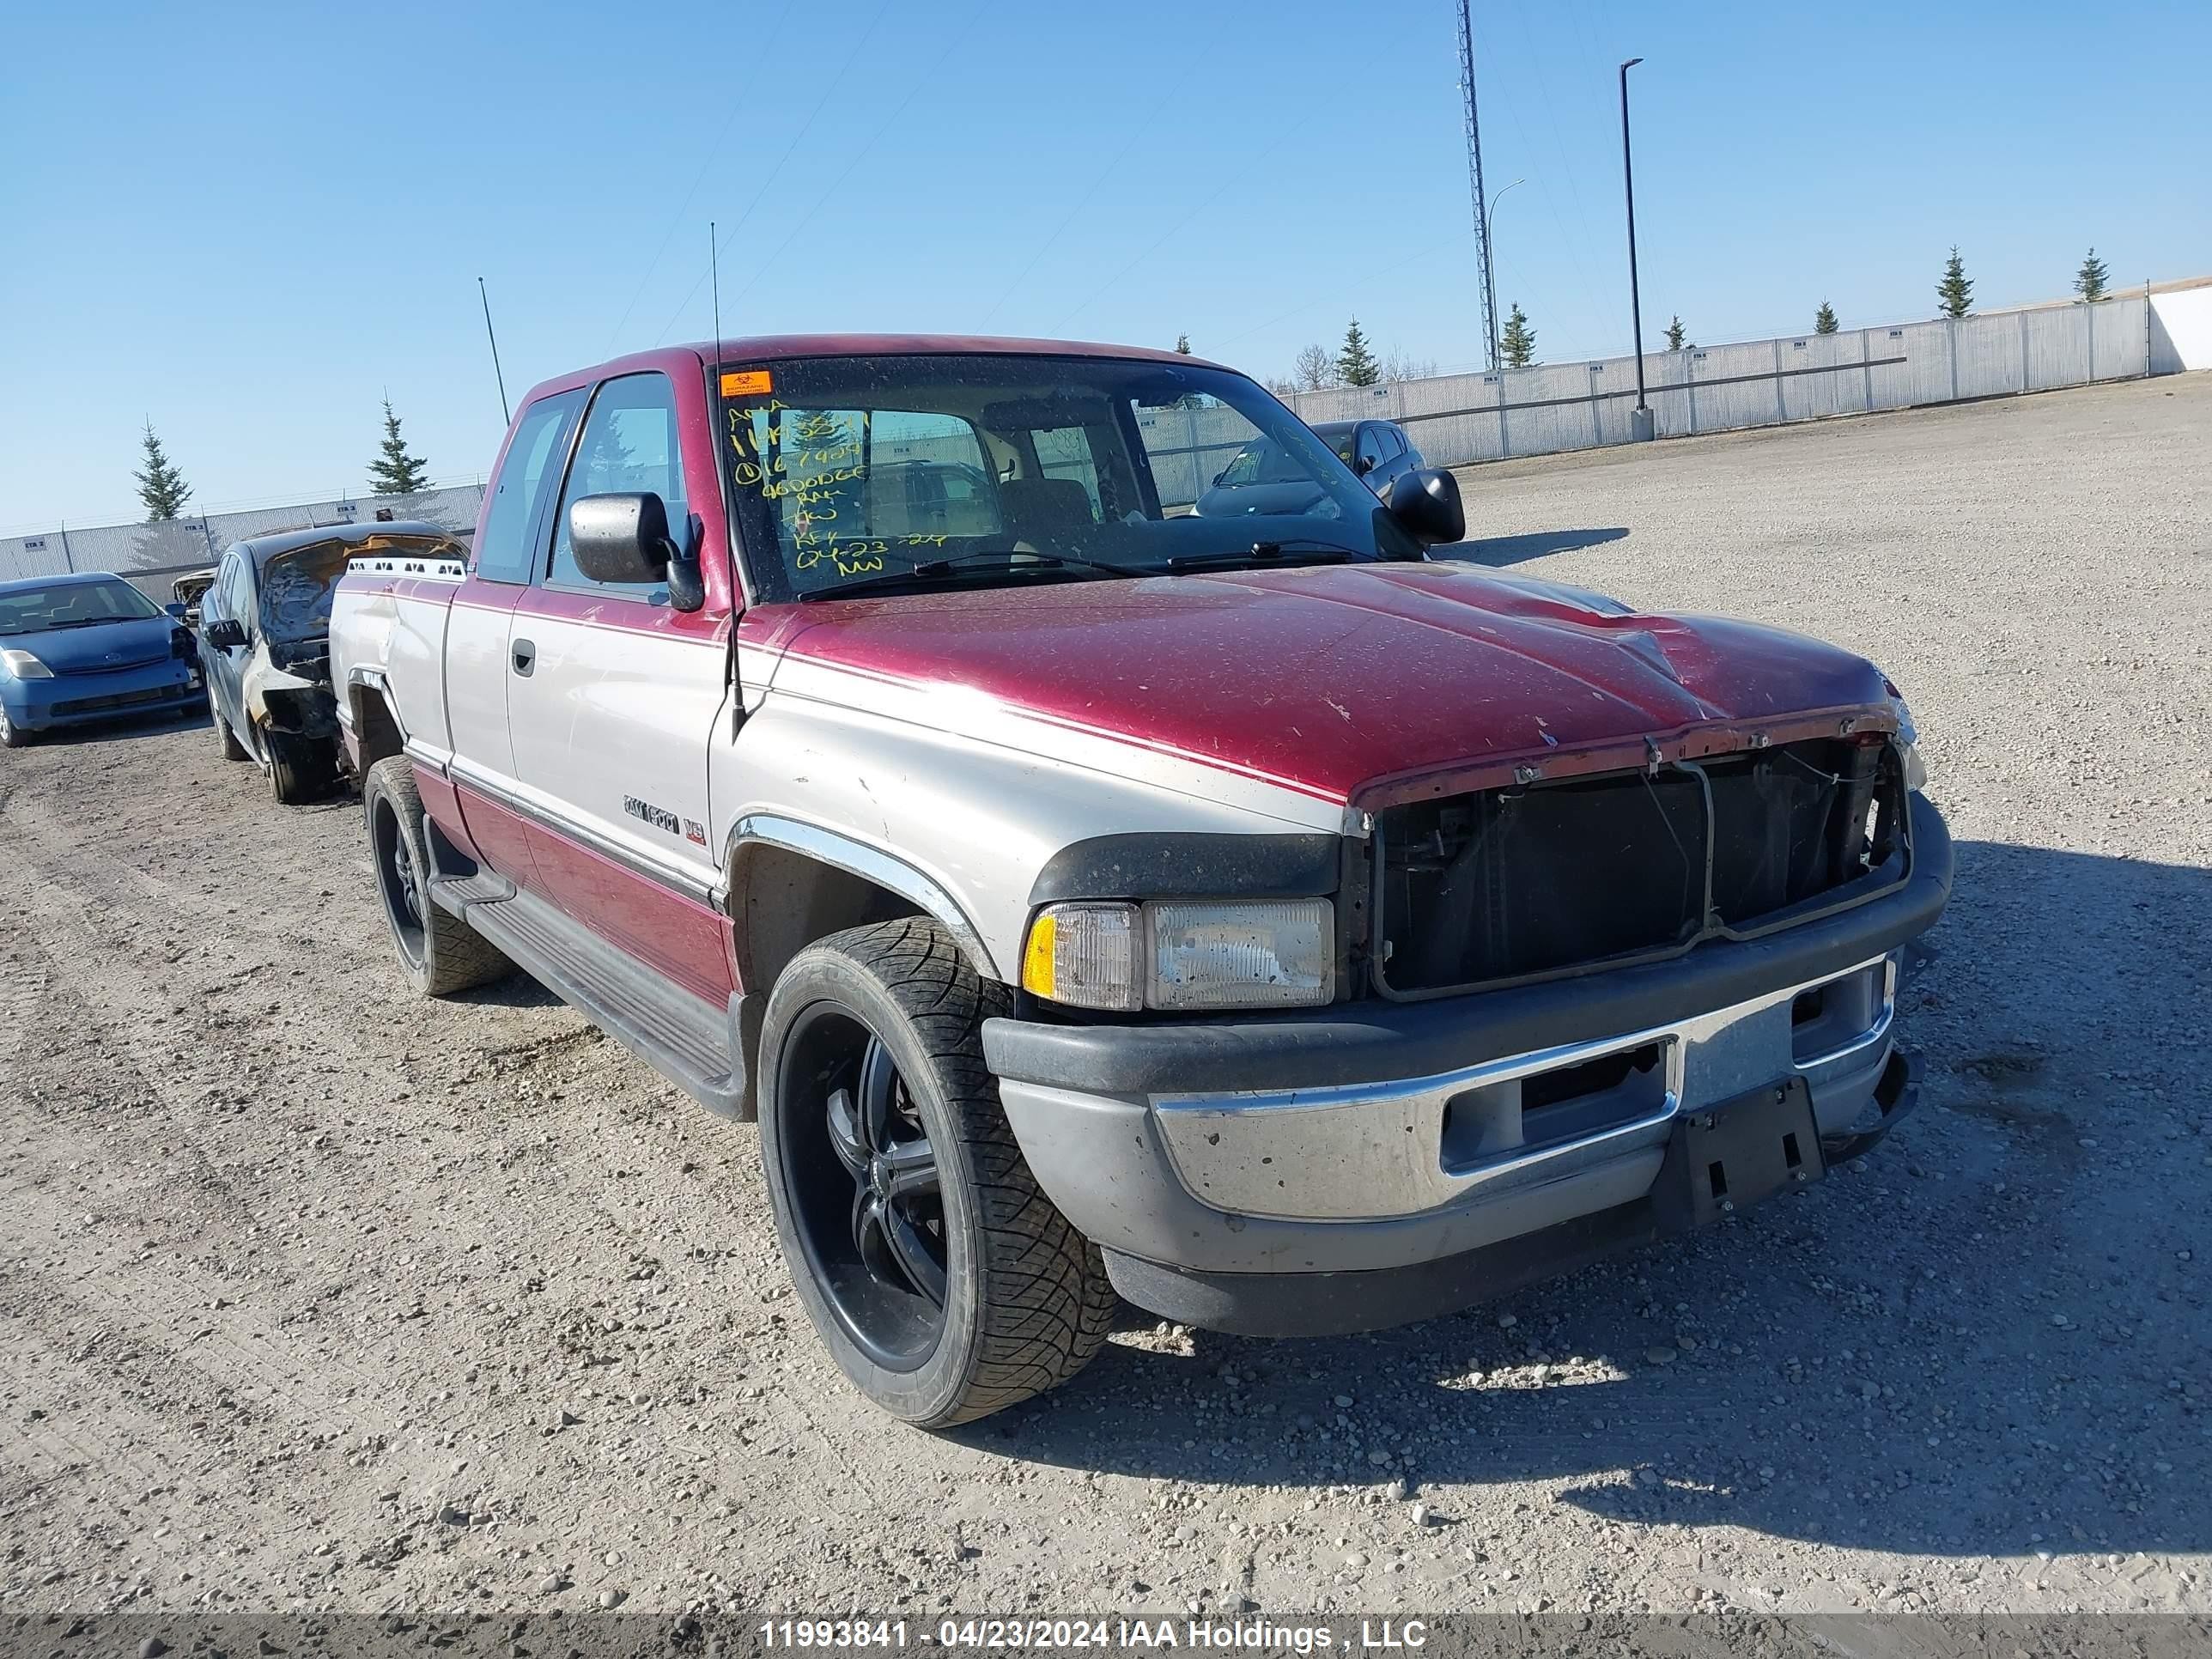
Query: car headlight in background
x,y
24,667
1184,955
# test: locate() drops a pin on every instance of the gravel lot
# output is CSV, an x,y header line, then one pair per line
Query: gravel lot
x,y
312,1295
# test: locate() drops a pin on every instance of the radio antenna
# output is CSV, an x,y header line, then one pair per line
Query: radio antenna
x,y
715,271
504,414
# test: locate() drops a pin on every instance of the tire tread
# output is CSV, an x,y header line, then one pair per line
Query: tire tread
x,y
1046,1305
456,957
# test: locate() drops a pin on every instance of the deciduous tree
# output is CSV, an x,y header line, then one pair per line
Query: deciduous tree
x,y
1313,369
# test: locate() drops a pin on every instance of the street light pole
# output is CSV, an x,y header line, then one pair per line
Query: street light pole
x,y
1641,423
1489,276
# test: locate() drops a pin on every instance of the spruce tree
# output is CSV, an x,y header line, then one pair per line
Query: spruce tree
x,y
1183,344
161,488
1823,319
2089,282
1518,341
1954,294
1355,363
1677,335
394,471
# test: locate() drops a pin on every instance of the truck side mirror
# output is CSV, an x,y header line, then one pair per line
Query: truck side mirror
x,y
620,538
1426,504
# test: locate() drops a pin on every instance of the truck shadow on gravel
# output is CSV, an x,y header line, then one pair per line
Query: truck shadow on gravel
x,y
1494,550
1985,1338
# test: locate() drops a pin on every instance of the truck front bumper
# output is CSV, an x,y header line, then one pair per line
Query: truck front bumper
x,y
1370,1162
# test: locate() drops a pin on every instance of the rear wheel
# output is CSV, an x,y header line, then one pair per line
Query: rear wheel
x,y
945,1282
438,953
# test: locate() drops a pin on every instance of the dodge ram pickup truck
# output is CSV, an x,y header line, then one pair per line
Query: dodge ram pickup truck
x,y
1252,915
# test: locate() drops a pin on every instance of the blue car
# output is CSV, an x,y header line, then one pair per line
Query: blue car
x,y
75,649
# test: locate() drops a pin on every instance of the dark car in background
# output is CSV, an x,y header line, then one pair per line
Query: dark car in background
x,y
264,627
87,646
1262,479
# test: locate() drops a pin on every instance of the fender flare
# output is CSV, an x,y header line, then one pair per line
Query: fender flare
x,y
858,858
372,679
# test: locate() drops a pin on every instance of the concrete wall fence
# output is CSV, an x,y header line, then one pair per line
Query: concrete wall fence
x,y
1457,419
152,554
1453,419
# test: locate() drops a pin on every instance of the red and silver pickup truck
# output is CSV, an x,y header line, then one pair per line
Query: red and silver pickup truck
x,y
1094,883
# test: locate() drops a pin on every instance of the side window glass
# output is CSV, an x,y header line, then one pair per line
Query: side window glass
x,y
1394,443
629,446
503,552
1371,444
1064,451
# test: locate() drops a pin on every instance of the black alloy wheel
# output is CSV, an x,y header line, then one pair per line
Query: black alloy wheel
x,y
871,1218
394,851
942,1279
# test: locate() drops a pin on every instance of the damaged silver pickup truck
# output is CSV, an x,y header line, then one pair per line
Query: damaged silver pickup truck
x,y
264,633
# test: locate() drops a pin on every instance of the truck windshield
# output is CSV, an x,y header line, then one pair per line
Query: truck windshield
x,y
71,605
842,468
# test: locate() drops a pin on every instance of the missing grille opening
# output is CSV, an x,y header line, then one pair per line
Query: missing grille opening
x,y
1551,877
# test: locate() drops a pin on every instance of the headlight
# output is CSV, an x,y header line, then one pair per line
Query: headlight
x,y
24,667
1908,743
1916,769
1183,955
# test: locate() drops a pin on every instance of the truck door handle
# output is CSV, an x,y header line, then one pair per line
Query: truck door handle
x,y
526,656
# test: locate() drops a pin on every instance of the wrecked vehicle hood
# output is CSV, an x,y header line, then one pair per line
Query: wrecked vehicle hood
x,y
130,642
1363,683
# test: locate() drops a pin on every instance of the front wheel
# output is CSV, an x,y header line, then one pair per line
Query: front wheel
x,y
225,739
298,770
12,736
942,1277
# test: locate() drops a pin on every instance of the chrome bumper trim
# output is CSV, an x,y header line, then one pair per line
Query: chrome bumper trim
x,y
1366,1151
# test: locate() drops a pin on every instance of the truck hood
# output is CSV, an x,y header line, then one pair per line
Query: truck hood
x,y
1352,681
127,643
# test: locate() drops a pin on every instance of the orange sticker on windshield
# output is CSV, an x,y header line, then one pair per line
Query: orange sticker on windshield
x,y
747,383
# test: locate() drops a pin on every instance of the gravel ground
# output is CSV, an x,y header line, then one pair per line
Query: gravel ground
x,y
311,1295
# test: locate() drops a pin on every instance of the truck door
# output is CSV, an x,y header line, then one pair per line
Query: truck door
x,y
477,658
612,696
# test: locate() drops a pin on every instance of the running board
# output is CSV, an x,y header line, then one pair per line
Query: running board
x,y
685,1039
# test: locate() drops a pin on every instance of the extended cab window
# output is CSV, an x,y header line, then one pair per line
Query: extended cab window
x,y
628,446
504,549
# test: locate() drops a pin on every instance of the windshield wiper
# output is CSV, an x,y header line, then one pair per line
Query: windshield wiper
x,y
85,622
937,569
1311,552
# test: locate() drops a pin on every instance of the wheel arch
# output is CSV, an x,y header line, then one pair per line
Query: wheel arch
x,y
374,730
790,883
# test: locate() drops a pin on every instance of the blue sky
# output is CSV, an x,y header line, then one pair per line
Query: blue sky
x,y
249,223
